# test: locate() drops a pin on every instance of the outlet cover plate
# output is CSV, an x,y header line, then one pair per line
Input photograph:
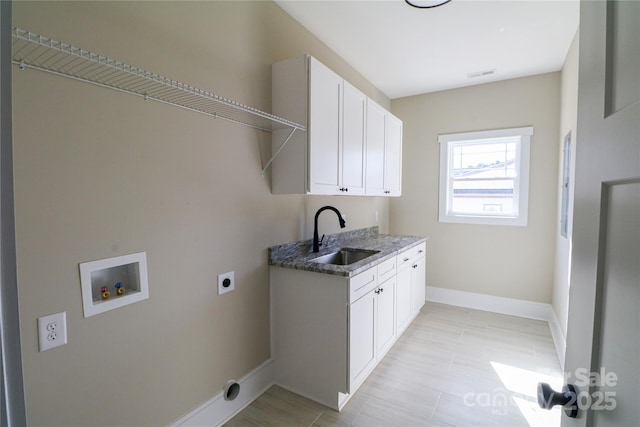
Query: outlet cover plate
x,y
226,282
52,331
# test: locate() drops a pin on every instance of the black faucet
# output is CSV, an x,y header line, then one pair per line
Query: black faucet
x,y
317,243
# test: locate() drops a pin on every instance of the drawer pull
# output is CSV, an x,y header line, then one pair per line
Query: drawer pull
x,y
405,259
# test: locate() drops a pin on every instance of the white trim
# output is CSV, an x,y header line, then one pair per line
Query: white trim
x,y
510,306
559,339
218,411
486,134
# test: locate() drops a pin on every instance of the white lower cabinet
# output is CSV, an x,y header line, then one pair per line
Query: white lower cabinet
x,y
418,283
403,306
385,317
371,331
329,332
411,281
362,339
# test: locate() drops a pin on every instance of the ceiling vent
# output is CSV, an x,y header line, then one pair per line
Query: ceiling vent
x,y
481,73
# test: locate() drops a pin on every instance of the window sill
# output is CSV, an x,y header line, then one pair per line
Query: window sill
x,y
520,221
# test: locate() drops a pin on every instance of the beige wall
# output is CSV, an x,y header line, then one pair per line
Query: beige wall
x,y
505,261
99,174
568,123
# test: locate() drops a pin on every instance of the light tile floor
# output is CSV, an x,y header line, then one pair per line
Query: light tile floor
x,y
451,367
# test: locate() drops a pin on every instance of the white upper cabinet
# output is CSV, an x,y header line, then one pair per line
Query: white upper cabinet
x,y
324,129
384,152
375,149
331,156
353,140
393,156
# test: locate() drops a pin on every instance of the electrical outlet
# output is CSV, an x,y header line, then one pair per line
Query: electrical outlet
x,y
226,283
52,331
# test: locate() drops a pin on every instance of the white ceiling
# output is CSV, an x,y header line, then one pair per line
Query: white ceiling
x,y
406,51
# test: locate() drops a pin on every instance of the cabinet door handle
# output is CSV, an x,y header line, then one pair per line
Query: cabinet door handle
x,y
415,266
405,259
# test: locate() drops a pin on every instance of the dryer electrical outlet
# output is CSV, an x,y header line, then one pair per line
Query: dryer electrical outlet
x,y
226,282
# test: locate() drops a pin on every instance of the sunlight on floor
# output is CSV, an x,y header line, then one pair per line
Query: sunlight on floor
x,y
522,384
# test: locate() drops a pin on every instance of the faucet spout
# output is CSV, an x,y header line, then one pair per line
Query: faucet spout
x,y
317,243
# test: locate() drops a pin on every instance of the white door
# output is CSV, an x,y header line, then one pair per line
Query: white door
x,y
393,156
403,296
325,129
418,289
353,141
362,339
375,148
386,326
603,332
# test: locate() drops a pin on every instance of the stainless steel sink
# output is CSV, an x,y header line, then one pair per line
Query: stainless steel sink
x,y
345,256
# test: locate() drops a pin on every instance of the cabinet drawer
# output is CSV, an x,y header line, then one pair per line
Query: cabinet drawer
x,y
386,269
404,259
363,283
419,251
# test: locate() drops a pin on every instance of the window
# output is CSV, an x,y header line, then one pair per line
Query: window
x,y
484,177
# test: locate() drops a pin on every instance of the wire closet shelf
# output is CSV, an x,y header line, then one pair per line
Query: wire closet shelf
x,y
31,50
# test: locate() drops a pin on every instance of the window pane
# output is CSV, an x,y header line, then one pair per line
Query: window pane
x,y
483,196
485,160
483,177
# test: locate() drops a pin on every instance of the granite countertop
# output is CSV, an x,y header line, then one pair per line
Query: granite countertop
x,y
298,255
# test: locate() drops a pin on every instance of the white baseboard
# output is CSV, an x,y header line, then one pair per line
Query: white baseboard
x,y
217,411
559,339
510,306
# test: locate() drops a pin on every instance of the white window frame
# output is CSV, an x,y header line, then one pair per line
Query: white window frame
x,y
521,182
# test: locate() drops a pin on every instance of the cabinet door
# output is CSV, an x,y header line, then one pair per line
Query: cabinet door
x,y
353,141
393,156
375,149
418,282
362,339
403,298
325,124
386,325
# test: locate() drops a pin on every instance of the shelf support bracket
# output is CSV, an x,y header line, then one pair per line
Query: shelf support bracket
x,y
286,140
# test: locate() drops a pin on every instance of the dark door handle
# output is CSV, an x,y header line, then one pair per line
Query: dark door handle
x,y
548,398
